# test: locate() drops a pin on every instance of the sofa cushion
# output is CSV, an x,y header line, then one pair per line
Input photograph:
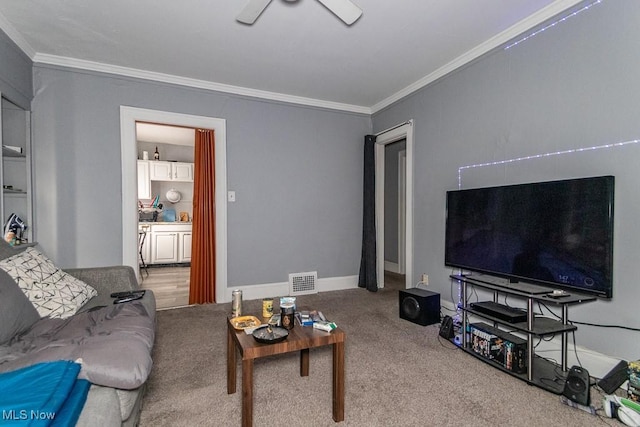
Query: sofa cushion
x,y
114,343
53,292
17,314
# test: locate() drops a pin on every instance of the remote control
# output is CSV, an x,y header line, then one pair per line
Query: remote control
x,y
126,299
127,294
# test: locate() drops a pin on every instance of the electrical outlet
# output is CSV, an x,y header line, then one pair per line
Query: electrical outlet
x,y
425,279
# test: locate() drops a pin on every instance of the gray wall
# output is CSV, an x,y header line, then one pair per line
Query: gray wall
x,y
572,86
15,73
297,172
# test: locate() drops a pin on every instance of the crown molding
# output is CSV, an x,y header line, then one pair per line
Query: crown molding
x,y
17,38
526,24
195,83
523,26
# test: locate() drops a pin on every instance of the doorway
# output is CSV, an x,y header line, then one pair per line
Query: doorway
x,y
394,207
128,118
395,134
165,196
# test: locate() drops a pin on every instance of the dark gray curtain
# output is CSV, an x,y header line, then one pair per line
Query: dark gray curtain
x,y
368,277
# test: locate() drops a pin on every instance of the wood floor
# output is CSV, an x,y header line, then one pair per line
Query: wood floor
x,y
170,285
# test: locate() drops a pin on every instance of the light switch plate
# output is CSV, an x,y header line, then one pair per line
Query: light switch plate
x,y
231,196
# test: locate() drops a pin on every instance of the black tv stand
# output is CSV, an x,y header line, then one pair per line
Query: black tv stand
x,y
539,370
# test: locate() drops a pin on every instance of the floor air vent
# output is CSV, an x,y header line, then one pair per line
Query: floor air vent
x,y
303,283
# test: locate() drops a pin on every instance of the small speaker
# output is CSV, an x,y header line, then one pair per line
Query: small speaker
x,y
420,306
577,386
615,378
446,328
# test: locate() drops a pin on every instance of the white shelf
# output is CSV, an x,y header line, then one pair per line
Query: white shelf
x,y
8,154
16,164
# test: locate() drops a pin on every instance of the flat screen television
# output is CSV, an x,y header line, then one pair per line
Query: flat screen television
x,y
557,233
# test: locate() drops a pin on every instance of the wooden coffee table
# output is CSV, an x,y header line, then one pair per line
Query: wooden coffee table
x,y
301,338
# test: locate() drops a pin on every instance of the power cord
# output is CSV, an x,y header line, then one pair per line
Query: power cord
x,y
628,328
597,325
575,348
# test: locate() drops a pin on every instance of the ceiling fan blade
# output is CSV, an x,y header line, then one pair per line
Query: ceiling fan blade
x,y
252,10
344,9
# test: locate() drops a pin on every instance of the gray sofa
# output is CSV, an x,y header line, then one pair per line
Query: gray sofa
x,y
112,341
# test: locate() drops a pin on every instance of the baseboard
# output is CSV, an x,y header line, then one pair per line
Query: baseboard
x,y
448,306
391,266
271,290
597,364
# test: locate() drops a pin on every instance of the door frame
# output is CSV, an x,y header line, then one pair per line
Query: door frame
x,y
404,131
402,207
129,155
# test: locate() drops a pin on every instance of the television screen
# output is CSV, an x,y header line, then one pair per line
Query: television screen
x,y
557,233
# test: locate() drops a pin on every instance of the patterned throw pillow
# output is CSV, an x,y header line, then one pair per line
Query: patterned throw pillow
x,y
53,292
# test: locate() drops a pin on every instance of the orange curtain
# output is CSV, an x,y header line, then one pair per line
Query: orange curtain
x,y
202,288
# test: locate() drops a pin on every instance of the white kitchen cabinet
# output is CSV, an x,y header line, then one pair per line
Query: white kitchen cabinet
x,y
164,247
171,171
182,171
159,171
144,182
170,243
184,252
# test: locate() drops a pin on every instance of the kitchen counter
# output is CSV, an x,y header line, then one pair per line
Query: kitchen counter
x,y
165,242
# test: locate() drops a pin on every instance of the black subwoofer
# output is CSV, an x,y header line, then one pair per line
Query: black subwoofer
x,y
577,386
420,306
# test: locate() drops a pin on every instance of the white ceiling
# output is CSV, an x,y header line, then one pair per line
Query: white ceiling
x,y
164,134
296,51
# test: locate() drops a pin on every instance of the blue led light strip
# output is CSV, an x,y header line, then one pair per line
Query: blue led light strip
x,y
539,156
553,24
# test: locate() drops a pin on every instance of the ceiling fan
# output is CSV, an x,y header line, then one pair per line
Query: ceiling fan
x,y
343,9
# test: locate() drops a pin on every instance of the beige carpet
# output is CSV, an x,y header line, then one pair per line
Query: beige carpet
x,y
397,373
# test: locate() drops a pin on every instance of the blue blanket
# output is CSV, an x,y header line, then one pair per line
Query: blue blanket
x,y
45,394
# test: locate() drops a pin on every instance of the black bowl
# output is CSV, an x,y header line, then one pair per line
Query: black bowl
x,y
277,334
